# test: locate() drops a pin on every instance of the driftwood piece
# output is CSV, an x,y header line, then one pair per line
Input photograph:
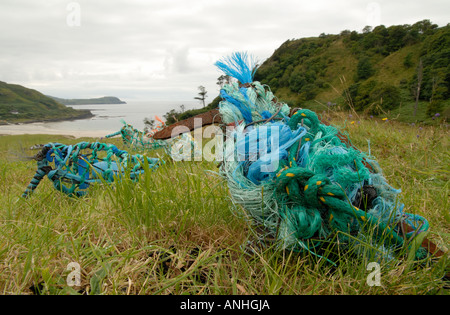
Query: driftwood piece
x,y
208,118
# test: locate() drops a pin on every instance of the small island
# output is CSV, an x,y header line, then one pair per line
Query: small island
x,y
89,101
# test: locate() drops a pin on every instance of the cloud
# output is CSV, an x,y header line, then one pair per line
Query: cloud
x,y
166,49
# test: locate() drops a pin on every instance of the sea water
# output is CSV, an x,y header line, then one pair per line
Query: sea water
x,y
107,118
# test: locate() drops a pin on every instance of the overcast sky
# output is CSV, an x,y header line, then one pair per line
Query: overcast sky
x,y
165,49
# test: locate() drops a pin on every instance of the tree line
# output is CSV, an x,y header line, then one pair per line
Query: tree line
x,y
300,66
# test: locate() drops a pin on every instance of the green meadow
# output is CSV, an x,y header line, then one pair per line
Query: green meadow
x,y
177,232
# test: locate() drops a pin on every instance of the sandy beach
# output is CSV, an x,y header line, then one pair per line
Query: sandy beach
x,y
40,128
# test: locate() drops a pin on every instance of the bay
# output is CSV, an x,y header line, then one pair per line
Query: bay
x,y
107,119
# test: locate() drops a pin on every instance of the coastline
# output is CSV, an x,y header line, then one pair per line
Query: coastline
x,y
86,114
98,121
41,130
38,126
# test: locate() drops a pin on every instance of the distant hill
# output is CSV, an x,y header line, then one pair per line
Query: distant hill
x,y
89,101
375,71
21,104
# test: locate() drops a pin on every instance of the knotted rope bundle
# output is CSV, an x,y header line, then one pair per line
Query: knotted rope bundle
x,y
136,139
73,168
179,148
317,190
322,188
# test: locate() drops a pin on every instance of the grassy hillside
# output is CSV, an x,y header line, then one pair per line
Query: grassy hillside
x,y
374,72
176,232
20,104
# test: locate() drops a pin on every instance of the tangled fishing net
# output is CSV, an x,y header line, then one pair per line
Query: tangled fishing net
x,y
73,168
301,180
137,139
179,148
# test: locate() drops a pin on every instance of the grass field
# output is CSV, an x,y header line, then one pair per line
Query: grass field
x,y
176,232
